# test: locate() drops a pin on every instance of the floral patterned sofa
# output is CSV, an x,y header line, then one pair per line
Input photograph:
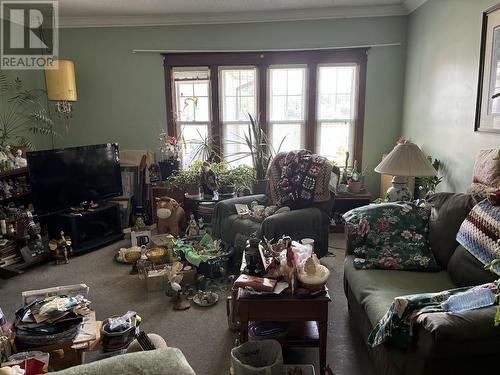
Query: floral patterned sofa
x,y
442,343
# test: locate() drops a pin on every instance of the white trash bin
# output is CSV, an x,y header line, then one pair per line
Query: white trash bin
x,y
257,358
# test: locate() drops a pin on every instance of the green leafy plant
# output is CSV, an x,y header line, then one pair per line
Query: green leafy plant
x,y
429,184
260,149
23,113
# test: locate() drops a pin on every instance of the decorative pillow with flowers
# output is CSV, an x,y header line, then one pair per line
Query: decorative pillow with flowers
x,y
390,236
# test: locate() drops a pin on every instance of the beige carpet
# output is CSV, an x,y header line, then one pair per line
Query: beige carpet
x,y
201,333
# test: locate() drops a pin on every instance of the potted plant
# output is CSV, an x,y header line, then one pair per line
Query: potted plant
x,y
232,179
354,179
426,185
23,112
260,150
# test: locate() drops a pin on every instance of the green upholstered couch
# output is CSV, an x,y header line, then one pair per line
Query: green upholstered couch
x,y
444,343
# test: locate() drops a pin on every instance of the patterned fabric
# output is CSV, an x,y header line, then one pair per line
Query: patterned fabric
x,y
486,175
396,325
390,236
480,231
298,178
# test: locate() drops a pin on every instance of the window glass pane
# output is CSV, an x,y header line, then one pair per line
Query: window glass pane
x,y
336,92
238,94
234,147
334,139
192,102
287,93
201,109
288,135
192,136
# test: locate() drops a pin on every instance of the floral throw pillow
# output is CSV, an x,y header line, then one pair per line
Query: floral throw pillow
x,y
390,236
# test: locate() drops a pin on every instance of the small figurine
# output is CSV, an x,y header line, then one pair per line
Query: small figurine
x,y
7,189
10,163
171,257
201,225
61,249
139,223
192,229
208,180
19,161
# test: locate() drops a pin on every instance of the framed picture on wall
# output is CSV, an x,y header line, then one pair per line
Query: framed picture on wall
x,y
488,94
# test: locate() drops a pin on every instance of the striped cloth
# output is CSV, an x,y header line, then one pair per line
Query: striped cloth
x,y
480,231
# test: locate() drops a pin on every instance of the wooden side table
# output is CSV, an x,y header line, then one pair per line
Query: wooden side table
x,y
347,201
286,308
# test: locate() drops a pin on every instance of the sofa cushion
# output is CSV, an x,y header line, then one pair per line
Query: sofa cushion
x,y
392,236
448,211
375,290
466,270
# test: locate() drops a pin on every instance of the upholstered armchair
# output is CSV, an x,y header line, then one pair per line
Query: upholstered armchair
x,y
307,222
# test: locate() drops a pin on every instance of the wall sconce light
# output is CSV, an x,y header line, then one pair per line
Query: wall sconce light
x,y
61,86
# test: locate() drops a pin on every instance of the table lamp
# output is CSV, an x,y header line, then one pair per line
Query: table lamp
x,y
405,160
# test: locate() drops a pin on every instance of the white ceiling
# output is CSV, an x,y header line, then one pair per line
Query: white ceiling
x,y
76,13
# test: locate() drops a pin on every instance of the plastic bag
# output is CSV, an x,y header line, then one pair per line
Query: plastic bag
x,y
257,358
122,322
301,254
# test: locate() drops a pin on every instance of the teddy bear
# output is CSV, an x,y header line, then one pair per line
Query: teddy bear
x,y
170,215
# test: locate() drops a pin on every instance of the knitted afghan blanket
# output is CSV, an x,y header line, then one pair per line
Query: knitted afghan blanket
x,y
480,231
299,178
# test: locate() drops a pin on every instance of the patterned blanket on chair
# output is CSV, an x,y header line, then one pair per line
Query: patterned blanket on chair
x,y
480,232
298,178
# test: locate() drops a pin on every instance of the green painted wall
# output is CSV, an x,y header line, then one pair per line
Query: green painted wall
x,y
121,95
441,86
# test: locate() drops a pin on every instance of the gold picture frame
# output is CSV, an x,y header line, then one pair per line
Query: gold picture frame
x,y
488,93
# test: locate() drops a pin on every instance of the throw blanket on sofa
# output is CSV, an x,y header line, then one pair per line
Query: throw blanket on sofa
x,y
480,231
298,178
396,325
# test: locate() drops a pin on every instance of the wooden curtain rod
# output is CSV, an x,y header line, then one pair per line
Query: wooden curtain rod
x,y
265,50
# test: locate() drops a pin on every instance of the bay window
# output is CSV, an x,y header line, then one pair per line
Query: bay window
x,y
302,99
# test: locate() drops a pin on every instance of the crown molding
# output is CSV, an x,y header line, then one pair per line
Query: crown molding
x,y
234,17
411,5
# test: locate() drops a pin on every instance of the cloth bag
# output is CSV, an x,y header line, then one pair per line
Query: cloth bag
x,y
257,358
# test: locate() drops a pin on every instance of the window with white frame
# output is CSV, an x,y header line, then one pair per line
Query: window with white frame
x,y
336,111
192,110
287,103
238,99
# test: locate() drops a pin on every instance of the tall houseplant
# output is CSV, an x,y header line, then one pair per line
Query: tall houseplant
x,y
260,150
23,113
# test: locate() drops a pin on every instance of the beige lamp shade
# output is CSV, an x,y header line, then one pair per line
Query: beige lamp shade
x,y
406,160
61,83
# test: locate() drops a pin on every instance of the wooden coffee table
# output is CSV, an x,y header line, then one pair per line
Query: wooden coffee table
x,y
287,308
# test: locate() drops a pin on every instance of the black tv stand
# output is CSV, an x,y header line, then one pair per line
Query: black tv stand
x,y
88,229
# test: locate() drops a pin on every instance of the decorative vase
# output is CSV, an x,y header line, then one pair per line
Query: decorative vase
x,y
168,167
259,186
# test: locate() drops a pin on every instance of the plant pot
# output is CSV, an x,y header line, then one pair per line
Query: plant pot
x,y
168,167
354,186
193,189
259,186
226,190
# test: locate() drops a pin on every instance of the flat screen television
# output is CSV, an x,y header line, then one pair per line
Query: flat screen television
x,y
63,178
